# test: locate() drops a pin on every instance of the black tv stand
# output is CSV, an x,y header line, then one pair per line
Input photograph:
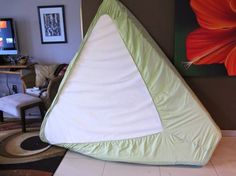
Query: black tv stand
x,y
8,60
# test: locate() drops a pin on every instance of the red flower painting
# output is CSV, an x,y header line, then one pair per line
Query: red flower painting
x,y
214,42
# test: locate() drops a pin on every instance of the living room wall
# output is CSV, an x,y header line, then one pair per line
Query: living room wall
x,y
25,14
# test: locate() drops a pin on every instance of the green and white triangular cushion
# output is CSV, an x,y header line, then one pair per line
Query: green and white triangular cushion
x,y
122,100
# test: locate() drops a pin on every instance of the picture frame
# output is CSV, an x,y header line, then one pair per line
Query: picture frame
x,y
52,24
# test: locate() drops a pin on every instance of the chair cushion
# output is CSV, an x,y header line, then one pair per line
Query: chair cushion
x,y
44,72
11,104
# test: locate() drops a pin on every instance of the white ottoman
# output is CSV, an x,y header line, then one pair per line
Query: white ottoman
x,y
17,104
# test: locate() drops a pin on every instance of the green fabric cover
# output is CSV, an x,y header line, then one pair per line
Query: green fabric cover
x,y
190,135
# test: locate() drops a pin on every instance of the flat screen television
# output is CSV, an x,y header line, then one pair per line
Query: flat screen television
x,y
8,38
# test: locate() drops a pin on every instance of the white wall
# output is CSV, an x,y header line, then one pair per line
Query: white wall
x,y
25,14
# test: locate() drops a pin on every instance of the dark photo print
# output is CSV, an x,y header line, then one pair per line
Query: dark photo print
x,y
52,24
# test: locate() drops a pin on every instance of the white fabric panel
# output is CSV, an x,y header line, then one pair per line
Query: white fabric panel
x,y
105,97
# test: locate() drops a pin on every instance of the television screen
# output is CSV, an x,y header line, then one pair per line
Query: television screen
x,y
8,44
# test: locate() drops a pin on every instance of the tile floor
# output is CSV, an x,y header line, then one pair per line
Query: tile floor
x,y
222,163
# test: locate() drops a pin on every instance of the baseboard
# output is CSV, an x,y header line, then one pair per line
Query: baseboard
x,y
228,133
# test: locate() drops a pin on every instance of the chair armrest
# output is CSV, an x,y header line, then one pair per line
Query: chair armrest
x,y
28,80
53,87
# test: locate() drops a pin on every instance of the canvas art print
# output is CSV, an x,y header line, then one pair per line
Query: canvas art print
x,y
205,37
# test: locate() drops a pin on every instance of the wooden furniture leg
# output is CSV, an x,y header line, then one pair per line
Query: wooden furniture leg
x,y
1,116
42,110
22,113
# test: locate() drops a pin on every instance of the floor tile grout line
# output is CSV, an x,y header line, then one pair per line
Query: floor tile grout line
x,y
103,168
159,169
214,168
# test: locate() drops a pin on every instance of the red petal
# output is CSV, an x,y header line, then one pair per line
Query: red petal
x,y
232,4
209,46
230,63
215,14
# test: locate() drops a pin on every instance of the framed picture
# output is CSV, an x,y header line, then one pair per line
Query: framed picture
x,y
52,24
